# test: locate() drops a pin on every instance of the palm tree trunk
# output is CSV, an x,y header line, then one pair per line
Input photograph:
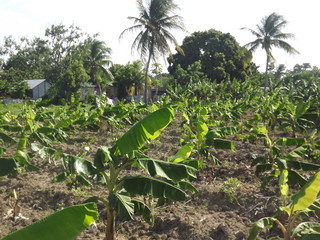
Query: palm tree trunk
x,y
266,76
146,73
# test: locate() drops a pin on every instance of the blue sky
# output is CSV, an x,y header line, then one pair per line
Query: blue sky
x,y
30,18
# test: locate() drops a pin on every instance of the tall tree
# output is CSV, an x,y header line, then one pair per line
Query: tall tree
x,y
269,34
221,57
97,61
154,22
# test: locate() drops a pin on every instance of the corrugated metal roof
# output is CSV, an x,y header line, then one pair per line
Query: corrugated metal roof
x,y
33,83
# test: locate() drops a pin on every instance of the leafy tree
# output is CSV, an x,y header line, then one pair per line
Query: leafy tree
x,y
153,24
301,68
11,84
73,79
62,42
97,60
269,34
219,54
127,77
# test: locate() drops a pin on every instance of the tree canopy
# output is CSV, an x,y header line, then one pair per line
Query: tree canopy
x,y
219,54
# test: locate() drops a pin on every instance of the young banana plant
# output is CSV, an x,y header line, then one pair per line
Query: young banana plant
x,y
164,180
304,201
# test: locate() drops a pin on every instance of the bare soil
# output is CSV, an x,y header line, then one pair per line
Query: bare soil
x,y
207,215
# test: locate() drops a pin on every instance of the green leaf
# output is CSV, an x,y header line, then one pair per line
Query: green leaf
x,y
306,196
123,205
66,224
80,165
183,153
7,139
150,186
61,177
64,123
283,184
11,128
220,144
2,150
301,109
168,170
295,177
262,223
290,141
21,155
297,153
41,138
83,181
307,230
8,165
144,210
303,166
45,152
187,185
101,157
46,130
147,129
202,130
221,132
264,167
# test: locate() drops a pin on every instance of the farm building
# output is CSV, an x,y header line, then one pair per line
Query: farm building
x,y
37,88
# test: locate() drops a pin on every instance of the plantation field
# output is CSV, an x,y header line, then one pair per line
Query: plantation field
x,y
208,214
177,169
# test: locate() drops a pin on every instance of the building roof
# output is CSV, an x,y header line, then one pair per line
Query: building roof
x,y
33,83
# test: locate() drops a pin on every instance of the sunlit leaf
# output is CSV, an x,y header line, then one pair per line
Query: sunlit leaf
x,y
147,129
66,224
306,196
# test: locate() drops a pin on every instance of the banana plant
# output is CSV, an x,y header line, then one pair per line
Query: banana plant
x,y
200,138
29,130
293,117
304,201
164,179
65,224
278,159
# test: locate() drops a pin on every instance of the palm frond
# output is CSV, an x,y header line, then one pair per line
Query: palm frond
x,y
252,32
285,46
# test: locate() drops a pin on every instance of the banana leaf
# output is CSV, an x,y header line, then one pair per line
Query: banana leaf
x,y
141,185
262,223
123,205
147,129
66,224
168,170
307,231
306,196
7,139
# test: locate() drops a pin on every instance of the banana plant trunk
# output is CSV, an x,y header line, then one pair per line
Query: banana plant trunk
x,y
110,230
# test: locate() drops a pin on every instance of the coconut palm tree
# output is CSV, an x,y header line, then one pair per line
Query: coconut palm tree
x,y
97,61
154,22
269,35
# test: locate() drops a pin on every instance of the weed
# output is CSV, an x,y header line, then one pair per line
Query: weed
x,y
230,188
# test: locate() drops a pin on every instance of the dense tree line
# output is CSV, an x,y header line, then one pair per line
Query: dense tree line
x,y
69,58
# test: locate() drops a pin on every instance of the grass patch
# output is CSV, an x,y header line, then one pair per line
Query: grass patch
x,y
14,108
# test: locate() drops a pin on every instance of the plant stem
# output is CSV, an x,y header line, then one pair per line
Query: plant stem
x,y
283,230
110,233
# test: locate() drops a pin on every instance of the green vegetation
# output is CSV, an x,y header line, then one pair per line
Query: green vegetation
x,y
213,89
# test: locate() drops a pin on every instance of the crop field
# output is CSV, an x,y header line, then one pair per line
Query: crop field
x,y
181,168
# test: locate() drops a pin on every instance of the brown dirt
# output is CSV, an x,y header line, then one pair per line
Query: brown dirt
x,y
208,214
